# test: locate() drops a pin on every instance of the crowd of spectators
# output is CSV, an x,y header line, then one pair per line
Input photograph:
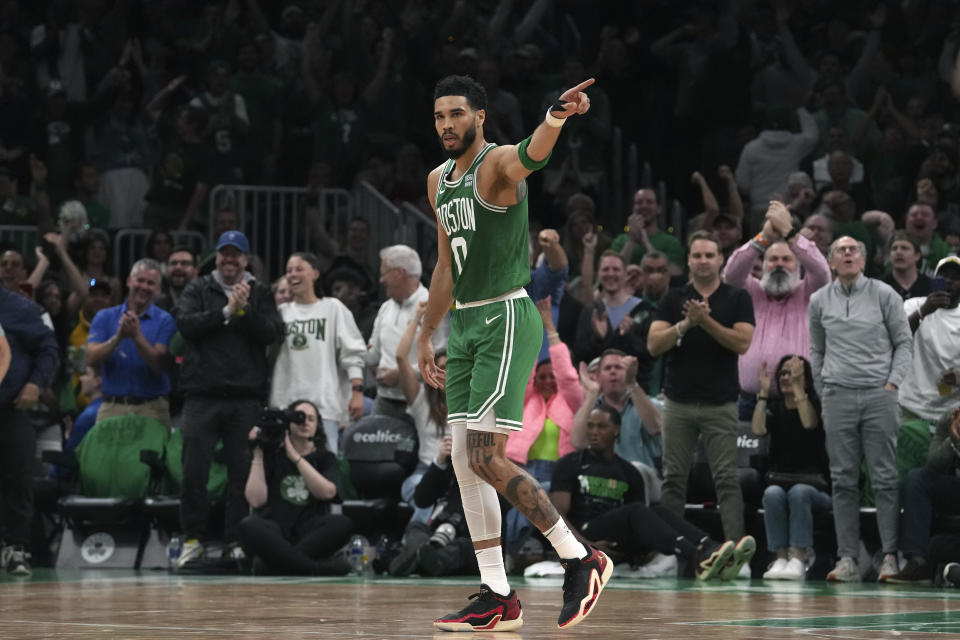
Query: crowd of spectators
x,y
827,331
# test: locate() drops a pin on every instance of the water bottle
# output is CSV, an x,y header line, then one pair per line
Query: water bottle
x,y
174,547
356,555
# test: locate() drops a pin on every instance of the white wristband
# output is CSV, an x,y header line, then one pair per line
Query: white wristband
x,y
553,120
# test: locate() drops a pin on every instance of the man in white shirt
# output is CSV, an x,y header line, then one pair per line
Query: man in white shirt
x,y
400,271
931,387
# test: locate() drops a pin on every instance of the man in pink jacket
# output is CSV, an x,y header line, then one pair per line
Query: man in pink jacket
x,y
552,398
780,298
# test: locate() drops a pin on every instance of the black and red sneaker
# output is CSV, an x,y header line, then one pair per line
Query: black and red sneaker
x,y
583,581
489,611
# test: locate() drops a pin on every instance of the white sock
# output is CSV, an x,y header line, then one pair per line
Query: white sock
x,y
565,543
492,572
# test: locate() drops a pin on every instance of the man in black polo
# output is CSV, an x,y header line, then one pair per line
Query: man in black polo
x,y
228,320
702,328
33,362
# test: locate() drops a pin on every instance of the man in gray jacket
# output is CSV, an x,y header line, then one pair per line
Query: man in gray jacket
x,y
860,349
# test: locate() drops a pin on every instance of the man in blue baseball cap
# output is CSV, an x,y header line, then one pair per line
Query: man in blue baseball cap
x,y
228,320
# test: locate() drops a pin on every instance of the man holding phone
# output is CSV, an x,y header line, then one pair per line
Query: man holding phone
x,y
932,386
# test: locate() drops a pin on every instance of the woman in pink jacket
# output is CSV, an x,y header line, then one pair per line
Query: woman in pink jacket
x,y
552,398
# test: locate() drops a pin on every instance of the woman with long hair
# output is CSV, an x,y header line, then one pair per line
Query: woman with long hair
x,y
798,480
426,405
94,260
322,347
159,246
290,487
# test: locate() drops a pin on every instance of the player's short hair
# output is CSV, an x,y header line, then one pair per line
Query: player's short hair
x,y
464,86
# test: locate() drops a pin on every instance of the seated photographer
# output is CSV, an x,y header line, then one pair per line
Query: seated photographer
x,y
442,545
600,496
928,490
798,480
293,479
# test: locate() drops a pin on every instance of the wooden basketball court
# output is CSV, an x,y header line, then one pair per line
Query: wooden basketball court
x,y
126,604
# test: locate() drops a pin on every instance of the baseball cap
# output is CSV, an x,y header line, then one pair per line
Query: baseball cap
x,y
954,260
233,239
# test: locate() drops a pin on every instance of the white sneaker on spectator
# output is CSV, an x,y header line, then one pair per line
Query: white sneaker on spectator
x,y
845,571
795,570
18,562
951,574
889,567
192,550
233,551
775,569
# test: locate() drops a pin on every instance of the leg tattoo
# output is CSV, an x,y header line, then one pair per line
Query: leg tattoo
x,y
485,452
481,446
531,500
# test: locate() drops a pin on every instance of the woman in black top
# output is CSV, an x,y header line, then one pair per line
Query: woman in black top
x,y
799,470
290,487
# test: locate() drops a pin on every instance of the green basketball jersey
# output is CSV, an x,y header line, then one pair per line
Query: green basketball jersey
x,y
489,244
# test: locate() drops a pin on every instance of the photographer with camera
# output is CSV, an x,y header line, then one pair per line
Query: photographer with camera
x,y
292,482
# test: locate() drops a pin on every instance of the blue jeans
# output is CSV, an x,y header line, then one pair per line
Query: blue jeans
x,y
518,527
409,487
790,513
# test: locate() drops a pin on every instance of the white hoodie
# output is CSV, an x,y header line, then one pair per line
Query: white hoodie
x,y
322,348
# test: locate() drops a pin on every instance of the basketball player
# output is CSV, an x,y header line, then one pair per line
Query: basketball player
x,y
480,198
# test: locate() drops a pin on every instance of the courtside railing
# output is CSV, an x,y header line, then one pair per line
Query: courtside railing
x,y
23,238
277,220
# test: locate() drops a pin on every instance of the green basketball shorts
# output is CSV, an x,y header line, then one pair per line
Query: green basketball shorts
x,y
491,352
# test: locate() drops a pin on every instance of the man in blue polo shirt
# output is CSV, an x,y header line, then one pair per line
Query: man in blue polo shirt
x,y
129,342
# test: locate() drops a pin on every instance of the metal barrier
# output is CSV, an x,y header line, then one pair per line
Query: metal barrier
x,y
392,224
129,245
23,238
274,218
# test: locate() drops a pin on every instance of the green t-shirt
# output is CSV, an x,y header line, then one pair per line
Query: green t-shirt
x,y
938,250
661,241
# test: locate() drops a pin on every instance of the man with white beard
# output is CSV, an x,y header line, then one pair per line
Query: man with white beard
x,y
780,297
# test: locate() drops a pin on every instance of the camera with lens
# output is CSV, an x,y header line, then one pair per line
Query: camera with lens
x,y
447,525
274,424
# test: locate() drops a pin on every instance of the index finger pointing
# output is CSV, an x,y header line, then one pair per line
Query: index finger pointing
x,y
583,85
577,89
